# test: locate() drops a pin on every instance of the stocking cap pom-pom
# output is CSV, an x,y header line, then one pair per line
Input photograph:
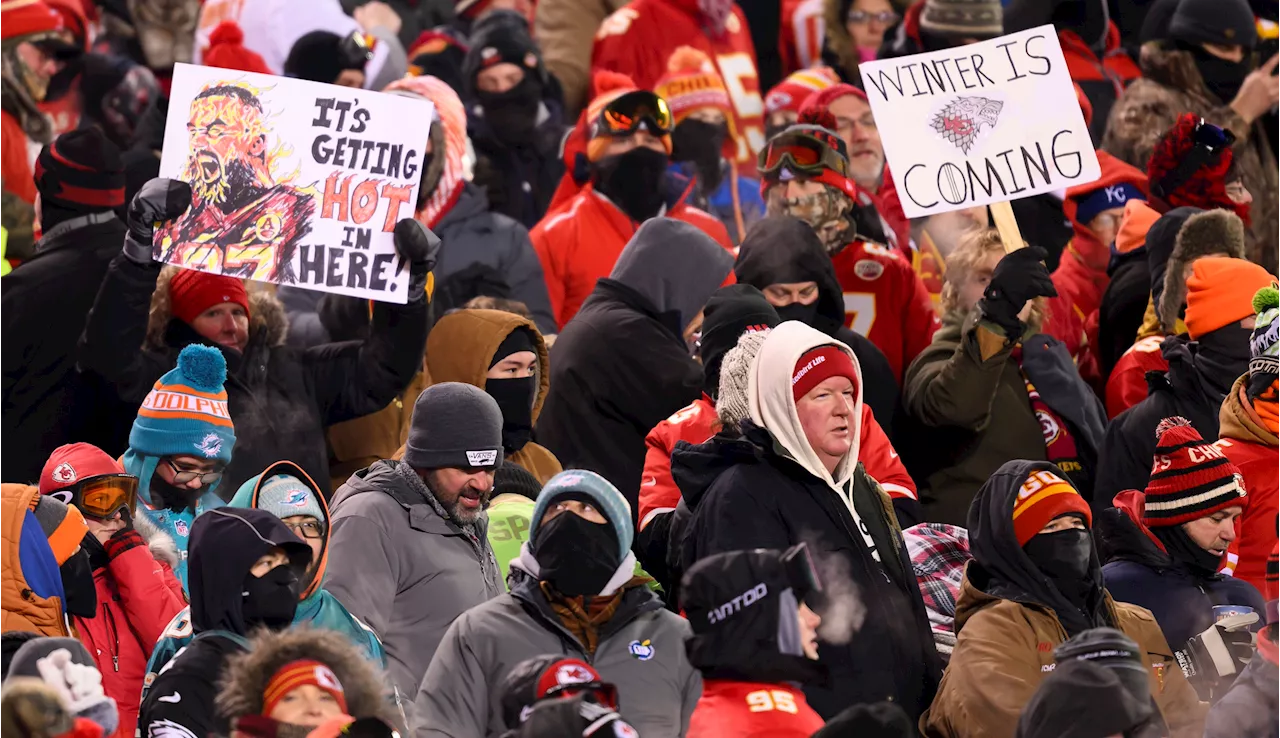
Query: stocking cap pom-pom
x,y
689,59
204,367
817,116
605,81
1171,422
1267,298
227,32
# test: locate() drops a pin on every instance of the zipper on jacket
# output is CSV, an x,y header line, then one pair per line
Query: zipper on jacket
x,y
113,637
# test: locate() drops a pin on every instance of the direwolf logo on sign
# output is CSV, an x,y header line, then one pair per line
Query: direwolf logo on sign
x,y
961,120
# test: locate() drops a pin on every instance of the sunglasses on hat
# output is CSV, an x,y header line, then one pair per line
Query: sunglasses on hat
x,y
630,112
802,153
101,497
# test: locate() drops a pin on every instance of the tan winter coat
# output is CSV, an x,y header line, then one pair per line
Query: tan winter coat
x,y
1171,85
565,30
1004,649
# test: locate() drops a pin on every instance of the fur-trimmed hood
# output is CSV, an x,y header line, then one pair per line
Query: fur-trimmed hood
x,y
246,675
268,324
1176,69
1211,233
161,544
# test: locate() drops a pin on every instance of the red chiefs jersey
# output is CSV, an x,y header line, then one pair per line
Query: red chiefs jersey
x,y
1256,529
639,38
752,710
697,423
885,301
803,32
1127,385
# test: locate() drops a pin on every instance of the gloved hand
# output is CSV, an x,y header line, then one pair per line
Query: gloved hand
x,y
417,244
1018,277
121,541
80,687
573,716
159,201
1212,659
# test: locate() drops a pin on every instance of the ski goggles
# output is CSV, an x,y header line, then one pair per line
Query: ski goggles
x,y
632,111
103,496
803,152
801,572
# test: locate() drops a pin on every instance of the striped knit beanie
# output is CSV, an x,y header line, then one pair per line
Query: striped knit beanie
x,y
790,93
1043,497
1190,478
186,414
62,524
691,83
1264,346
301,673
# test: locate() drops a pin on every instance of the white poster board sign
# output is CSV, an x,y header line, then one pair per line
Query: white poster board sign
x,y
293,182
988,122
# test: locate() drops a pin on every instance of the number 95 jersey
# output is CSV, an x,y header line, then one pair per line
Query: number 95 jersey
x,y
637,40
752,710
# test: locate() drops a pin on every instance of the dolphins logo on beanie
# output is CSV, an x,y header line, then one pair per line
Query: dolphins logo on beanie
x,y
186,414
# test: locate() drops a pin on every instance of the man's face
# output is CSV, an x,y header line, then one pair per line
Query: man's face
x,y
1238,193
310,531
226,324
782,294
499,78
268,561
584,510
826,415
515,366
186,472
1106,224
1214,533
41,66
1228,52
227,143
623,144
975,283
857,126
463,493
946,229
810,201
104,528
350,78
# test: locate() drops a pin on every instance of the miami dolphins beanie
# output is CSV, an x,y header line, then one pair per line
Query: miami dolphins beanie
x,y
284,496
587,486
186,411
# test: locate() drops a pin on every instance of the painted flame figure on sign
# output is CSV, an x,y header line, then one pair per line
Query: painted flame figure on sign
x,y
960,121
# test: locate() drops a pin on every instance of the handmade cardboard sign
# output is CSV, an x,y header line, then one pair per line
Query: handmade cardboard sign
x,y
292,182
988,122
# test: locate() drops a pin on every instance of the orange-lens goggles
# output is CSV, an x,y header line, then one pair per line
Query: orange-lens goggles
x,y
799,153
624,116
103,497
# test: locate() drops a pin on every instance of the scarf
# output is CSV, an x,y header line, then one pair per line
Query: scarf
x,y
1267,406
1059,445
585,616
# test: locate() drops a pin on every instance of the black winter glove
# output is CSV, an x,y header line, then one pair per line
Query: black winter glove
x,y
416,243
1018,277
574,716
159,201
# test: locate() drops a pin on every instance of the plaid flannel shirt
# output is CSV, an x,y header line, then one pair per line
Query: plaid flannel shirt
x,y
938,554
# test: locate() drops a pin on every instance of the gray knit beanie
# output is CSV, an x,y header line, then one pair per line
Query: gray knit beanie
x,y
733,405
454,425
980,19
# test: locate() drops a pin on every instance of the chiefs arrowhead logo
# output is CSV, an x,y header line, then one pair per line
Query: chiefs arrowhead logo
x,y
64,473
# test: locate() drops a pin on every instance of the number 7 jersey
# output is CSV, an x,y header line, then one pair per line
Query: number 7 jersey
x,y
637,41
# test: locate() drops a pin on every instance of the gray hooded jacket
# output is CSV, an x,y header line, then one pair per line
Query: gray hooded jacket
x,y
641,651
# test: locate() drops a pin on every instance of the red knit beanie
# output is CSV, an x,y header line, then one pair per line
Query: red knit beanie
x,y
822,99
227,50
1206,187
1045,496
818,365
192,292
1190,478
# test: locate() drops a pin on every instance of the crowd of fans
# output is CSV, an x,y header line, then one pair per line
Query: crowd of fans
x,y
685,429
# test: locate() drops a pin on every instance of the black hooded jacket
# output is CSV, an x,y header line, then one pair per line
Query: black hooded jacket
x,y
745,495
225,544
785,249
1002,569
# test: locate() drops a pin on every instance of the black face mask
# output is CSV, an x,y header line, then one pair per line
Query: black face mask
x,y
1223,355
632,181
1186,552
515,400
1066,558
577,556
1222,76
98,558
77,585
271,599
701,143
513,114
795,311
171,497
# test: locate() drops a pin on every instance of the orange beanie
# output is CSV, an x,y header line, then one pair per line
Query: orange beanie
x,y
1220,292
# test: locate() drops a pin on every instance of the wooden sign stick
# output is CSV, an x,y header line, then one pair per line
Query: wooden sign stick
x,y
1010,236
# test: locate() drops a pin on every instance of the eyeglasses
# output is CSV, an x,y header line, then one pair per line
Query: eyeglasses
x,y
309,529
628,113
102,497
184,476
802,152
887,17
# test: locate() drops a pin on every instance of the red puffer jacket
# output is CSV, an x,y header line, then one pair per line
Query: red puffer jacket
x,y
1127,385
137,597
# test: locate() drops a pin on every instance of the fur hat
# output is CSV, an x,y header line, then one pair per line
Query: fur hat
x,y
1211,233
244,680
732,404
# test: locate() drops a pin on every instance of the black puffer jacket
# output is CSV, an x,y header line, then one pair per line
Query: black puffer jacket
x,y
744,495
281,398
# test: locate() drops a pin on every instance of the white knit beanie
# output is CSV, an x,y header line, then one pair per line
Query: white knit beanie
x,y
732,405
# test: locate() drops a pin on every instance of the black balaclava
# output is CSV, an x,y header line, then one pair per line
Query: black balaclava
x,y
632,181
781,249
1222,356
1066,558
319,56
702,144
1223,77
271,599
77,585
578,557
172,497
1185,551
513,114
515,397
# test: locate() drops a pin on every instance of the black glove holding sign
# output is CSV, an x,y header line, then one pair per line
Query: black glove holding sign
x,y
1212,659
1018,277
159,201
420,247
